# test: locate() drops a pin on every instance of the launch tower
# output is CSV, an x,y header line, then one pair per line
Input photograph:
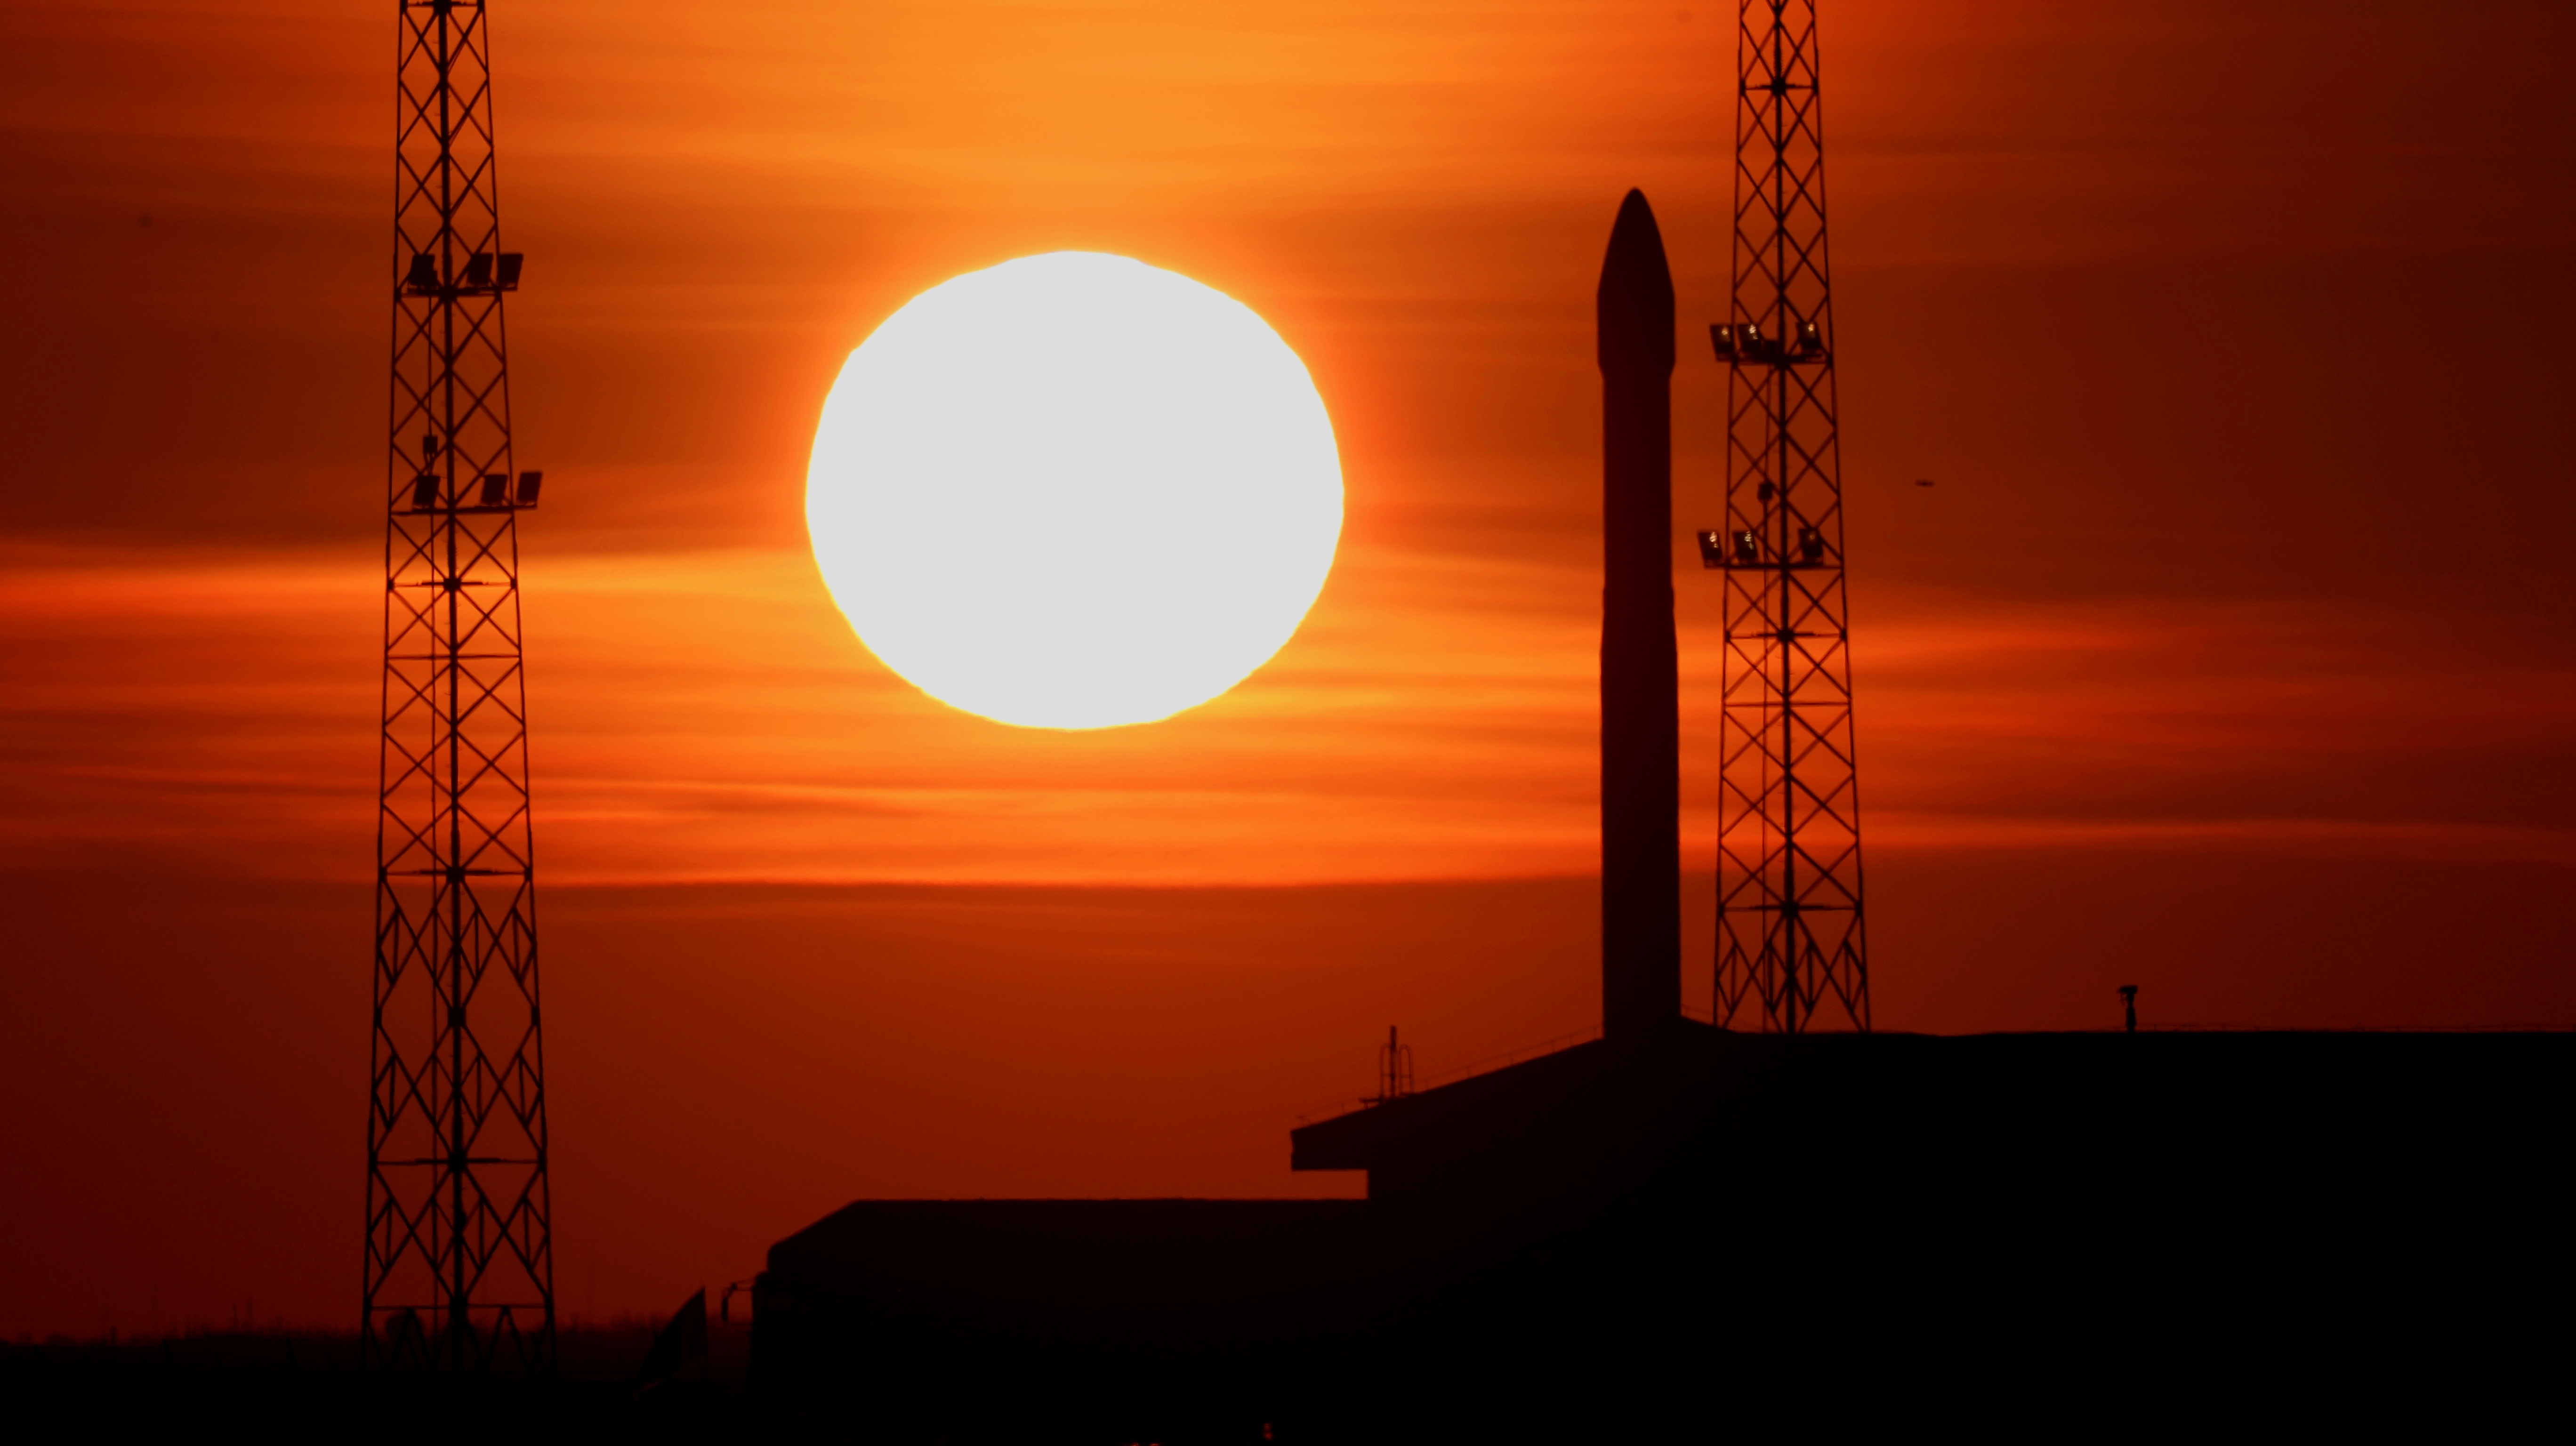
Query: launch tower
x,y
460,1265
1791,950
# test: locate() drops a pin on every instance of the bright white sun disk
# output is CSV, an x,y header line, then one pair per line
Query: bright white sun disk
x,y
1074,491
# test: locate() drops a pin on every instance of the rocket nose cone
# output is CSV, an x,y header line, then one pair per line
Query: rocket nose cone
x,y
1636,296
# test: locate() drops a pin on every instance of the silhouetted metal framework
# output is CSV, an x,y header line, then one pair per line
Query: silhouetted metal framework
x,y
460,1265
1791,953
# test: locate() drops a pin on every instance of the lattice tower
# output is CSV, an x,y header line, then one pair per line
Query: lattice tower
x,y
460,1265
1791,950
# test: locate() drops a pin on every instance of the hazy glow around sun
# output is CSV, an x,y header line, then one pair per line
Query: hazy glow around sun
x,y
1074,491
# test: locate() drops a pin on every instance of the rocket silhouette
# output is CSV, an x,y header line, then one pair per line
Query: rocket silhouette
x,y
1641,901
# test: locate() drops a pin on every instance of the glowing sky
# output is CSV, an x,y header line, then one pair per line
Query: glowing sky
x,y
2230,655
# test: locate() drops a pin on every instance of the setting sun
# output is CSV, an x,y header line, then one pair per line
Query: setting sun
x,y
1074,491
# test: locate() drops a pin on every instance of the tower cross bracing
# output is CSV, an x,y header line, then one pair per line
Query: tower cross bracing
x,y
459,1249
1791,947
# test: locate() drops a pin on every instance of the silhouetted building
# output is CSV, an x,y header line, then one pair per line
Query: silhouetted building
x,y
1675,1224
1710,1225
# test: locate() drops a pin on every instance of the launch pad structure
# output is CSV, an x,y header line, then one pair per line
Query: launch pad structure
x,y
459,1272
1781,1216
1791,939
1594,1243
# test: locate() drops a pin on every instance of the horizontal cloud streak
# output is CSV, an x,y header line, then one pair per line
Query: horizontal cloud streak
x,y
708,716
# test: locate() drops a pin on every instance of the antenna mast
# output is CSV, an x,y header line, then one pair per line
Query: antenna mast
x,y
460,1264
1791,952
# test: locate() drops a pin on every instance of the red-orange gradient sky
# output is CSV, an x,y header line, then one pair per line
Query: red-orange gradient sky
x,y
2230,656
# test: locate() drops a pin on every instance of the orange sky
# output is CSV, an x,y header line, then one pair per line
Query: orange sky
x,y
2229,655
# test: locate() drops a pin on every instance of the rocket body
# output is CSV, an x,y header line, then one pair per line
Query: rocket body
x,y
1640,688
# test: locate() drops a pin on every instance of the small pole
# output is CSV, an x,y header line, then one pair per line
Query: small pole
x,y
1394,1069
2129,1007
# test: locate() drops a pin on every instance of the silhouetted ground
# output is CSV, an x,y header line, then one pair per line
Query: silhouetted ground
x,y
306,1382
1733,1234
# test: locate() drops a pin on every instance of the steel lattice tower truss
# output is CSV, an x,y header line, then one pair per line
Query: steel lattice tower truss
x,y
1790,945
460,1267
